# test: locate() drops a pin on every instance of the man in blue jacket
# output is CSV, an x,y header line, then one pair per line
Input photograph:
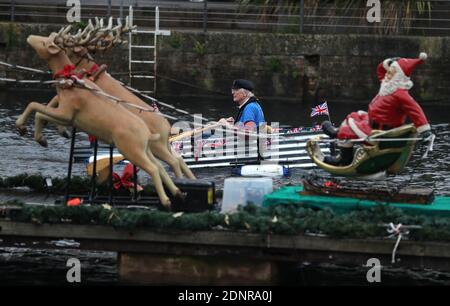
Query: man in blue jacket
x,y
250,114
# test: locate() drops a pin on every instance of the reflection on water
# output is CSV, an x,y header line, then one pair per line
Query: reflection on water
x,y
23,154
24,266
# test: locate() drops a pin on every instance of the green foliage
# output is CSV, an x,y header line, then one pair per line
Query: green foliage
x,y
175,40
295,75
12,34
275,64
199,48
79,25
195,72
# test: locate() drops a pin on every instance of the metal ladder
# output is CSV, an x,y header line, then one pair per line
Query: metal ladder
x,y
151,62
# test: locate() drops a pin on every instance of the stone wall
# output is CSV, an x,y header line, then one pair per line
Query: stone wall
x,y
303,68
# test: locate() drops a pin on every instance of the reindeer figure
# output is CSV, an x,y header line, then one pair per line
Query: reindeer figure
x,y
97,38
107,120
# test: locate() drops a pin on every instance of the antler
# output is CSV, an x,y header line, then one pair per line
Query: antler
x,y
95,37
111,37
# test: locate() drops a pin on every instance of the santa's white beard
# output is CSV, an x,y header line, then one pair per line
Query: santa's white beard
x,y
399,80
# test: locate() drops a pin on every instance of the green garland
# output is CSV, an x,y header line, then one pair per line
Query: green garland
x,y
78,185
280,219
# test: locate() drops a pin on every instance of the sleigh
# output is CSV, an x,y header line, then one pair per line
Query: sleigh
x,y
380,154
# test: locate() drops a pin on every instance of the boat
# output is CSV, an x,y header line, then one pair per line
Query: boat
x,y
284,146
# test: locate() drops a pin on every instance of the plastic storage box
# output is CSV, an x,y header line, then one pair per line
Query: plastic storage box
x,y
241,191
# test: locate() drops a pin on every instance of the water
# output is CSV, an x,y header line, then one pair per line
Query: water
x,y
23,154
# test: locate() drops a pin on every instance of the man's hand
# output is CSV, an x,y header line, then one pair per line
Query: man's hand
x,y
226,122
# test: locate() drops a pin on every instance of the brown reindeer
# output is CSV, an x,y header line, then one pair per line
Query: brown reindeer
x,y
97,38
109,121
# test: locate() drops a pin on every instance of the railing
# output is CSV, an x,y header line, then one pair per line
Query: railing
x,y
211,15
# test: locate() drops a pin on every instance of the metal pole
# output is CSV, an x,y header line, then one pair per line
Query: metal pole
x,y
259,158
130,42
94,173
135,183
121,9
109,7
155,49
111,149
13,6
69,171
205,16
302,15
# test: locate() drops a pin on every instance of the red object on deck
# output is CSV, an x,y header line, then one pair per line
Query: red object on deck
x,y
74,202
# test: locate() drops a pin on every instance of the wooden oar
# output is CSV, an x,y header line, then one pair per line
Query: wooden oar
x,y
193,132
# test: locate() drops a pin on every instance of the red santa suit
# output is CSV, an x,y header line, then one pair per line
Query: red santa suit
x,y
390,108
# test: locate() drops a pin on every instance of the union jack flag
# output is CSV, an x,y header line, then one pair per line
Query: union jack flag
x,y
321,109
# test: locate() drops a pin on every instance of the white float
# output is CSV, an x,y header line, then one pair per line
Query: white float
x,y
270,170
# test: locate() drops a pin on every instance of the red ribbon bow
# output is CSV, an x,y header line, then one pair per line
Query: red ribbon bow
x,y
126,180
67,72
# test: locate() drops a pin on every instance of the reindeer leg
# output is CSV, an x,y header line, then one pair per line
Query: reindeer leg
x,y
40,122
59,115
187,172
174,190
160,151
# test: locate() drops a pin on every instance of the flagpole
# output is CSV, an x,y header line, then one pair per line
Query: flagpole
x,y
328,112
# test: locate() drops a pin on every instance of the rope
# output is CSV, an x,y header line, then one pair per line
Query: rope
x,y
27,81
164,104
396,230
13,66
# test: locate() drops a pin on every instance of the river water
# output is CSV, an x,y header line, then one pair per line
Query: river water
x,y
23,155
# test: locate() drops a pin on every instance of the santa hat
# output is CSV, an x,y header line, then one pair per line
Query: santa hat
x,y
406,65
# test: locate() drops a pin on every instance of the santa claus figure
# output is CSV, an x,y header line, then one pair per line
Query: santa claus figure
x,y
389,109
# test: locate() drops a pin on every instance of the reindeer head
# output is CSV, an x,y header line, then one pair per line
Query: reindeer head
x,y
45,46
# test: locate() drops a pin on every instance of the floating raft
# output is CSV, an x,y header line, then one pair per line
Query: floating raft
x,y
439,207
285,146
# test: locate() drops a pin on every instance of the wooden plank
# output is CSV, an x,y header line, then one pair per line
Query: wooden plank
x,y
221,239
